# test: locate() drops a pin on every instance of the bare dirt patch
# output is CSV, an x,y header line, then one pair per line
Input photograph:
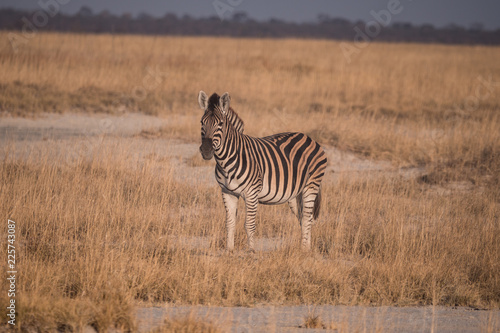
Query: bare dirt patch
x,y
332,318
152,138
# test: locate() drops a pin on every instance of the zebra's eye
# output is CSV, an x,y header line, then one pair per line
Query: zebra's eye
x,y
220,123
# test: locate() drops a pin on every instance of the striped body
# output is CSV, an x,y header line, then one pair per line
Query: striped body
x,y
286,167
277,167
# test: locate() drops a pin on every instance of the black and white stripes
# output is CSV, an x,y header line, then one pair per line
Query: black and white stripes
x,y
286,167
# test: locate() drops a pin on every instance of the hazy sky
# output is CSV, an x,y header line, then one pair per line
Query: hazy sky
x,y
436,12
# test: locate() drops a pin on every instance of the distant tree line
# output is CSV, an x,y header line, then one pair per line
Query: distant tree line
x,y
241,25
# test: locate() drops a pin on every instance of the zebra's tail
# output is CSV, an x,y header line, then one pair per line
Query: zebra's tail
x,y
317,205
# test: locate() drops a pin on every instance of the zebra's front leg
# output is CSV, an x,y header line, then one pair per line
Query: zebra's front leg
x,y
251,211
295,205
231,204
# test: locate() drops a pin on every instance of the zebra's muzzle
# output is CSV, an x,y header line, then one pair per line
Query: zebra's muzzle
x,y
206,149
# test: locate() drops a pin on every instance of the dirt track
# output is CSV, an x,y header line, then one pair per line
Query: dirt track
x,y
64,135
333,318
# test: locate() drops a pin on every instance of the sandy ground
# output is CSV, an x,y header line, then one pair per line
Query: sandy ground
x,y
333,318
74,135
69,137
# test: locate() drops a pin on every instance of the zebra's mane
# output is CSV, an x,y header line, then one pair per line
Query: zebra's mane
x,y
232,116
213,102
235,120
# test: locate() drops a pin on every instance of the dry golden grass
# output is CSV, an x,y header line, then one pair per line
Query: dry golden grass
x,y
313,321
186,325
97,236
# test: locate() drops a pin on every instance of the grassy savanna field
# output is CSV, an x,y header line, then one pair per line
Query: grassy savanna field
x,y
98,234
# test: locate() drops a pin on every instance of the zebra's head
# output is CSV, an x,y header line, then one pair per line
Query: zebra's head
x,y
212,122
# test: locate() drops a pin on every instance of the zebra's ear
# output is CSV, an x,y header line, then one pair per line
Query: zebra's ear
x,y
224,102
203,100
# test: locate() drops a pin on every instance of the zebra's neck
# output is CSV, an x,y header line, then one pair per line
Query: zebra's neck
x,y
231,145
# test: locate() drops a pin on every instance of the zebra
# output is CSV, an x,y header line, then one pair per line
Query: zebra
x,y
285,167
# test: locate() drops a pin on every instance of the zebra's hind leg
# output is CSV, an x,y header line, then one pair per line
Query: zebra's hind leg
x,y
231,204
308,201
